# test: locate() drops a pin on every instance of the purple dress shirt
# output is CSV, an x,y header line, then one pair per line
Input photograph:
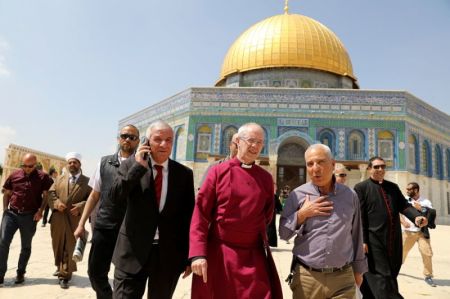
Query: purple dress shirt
x,y
326,241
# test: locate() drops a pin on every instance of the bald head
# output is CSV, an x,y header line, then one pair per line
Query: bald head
x,y
28,163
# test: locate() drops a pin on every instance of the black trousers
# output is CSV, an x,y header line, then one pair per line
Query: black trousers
x,y
99,264
45,216
377,286
162,280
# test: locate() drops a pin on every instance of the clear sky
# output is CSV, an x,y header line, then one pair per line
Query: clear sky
x,y
70,69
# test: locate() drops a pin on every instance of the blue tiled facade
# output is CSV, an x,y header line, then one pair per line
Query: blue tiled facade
x,y
350,120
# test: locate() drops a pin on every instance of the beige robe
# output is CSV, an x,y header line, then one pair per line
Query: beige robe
x,y
63,224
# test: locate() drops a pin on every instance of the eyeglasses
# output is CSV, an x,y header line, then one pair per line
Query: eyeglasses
x,y
252,141
383,166
342,175
28,166
129,136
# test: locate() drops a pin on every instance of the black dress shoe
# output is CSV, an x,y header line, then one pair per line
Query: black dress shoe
x,y
20,278
64,284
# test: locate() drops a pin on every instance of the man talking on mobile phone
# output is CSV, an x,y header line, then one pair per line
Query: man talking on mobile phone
x,y
153,242
325,217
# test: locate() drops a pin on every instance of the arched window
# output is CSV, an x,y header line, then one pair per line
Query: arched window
x,y
327,137
448,163
265,149
226,139
179,147
386,145
438,162
355,146
425,154
413,157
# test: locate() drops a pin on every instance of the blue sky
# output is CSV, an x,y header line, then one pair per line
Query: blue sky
x,y
70,69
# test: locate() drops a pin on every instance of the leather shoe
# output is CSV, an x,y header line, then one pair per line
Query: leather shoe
x,y
20,278
64,284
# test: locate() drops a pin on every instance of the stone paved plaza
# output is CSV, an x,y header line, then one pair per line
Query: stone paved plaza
x,y
40,283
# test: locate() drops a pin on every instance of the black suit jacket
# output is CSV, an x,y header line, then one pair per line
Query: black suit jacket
x,y
134,183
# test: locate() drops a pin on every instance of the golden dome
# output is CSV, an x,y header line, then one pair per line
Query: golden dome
x,y
287,40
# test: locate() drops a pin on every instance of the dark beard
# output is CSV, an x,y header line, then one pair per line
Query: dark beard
x,y
126,149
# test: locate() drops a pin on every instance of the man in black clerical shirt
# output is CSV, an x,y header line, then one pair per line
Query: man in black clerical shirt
x,y
381,205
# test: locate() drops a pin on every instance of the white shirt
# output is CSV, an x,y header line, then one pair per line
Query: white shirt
x,y
424,203
95,182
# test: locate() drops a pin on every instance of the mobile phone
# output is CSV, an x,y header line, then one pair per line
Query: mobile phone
x,y
144,141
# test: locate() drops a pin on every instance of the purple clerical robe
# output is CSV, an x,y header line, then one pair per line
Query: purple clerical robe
x,y
233,207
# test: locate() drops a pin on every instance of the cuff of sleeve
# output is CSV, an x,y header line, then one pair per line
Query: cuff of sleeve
x,y
193,259
360,266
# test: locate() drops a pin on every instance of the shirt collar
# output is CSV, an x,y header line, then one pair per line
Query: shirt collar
x,y
76,176
334,187
165,164
120,158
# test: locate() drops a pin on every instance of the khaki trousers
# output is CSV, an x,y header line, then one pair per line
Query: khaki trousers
x,y
409,239
308,284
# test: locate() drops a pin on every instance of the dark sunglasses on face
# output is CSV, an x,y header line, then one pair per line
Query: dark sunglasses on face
x,y
379,166
342,175
129,136
28,166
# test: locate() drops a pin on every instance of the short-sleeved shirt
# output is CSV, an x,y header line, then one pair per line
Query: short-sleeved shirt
x,y
27,189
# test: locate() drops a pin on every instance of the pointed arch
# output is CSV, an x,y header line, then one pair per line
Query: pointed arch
x,y
447,163
327,137
427,167
356,145
413,154
227,134
179,147
438,167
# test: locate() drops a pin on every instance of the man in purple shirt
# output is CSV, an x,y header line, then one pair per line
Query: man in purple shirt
x,y
325,217
22,209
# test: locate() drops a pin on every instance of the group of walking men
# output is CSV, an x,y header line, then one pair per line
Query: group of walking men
x,y
150,227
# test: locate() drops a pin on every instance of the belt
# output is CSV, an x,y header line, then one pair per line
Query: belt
x,y
155,242
323,270
16,211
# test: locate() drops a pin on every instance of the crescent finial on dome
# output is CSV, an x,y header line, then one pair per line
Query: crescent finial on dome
x,y
286,6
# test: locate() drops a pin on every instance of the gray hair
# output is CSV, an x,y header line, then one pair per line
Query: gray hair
x,y
245,127
160,124
322,147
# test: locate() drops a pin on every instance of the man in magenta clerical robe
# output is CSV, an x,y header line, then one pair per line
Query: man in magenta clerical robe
x,y
228,241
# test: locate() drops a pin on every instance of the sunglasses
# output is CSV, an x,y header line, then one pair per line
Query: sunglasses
x,y
28,166
342,175
379,166
129,137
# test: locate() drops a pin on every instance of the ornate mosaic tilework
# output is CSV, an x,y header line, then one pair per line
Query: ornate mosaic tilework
x,y
341,144
163,110
217,137
371,141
